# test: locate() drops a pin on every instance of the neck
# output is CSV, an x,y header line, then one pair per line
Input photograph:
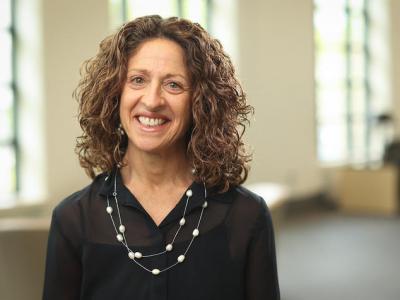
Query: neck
x,y
156,170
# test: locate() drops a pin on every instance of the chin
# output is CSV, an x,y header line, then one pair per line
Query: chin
x,y
153,147
147,147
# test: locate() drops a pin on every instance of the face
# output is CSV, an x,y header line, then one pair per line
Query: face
x,y
155,106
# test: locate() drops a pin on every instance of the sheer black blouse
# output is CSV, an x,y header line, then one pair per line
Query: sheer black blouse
x,y
232,258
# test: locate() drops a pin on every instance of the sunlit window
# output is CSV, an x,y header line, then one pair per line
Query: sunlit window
x,y
8,142
348,100
195,10
218,17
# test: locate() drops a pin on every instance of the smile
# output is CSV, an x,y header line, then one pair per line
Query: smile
x,y
151,122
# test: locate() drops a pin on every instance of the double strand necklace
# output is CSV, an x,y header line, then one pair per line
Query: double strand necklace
x,y
135,256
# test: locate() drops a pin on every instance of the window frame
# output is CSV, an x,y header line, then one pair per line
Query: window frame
x,y
180,13
349,116
13,141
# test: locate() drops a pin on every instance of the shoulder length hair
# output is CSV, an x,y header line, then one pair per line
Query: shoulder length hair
x,y
219,109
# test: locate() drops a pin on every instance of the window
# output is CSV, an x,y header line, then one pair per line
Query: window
x,y
8,140
349,55
195,10
218,17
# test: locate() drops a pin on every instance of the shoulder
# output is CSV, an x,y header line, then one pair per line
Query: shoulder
x,y
69,215
244,197
248,207
73,203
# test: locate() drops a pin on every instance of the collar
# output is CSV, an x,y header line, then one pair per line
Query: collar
x,y
126,198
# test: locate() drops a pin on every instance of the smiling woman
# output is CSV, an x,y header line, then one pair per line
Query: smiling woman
x,y
155,109
165,217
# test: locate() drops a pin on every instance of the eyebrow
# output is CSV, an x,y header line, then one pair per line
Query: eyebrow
x,y
168,75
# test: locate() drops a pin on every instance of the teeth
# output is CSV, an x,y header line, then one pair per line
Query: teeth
x,y
151,121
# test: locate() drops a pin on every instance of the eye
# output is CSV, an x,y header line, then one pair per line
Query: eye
x,y
174,86
137,80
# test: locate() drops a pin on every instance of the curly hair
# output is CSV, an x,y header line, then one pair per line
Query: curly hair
x,y
219,109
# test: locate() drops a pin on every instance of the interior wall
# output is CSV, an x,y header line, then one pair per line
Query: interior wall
x,y
277,71
395,61
72,31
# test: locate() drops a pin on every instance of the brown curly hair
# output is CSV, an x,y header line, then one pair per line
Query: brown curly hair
x,y
219,109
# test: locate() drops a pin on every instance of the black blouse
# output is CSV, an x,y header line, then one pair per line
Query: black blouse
x,y
232,258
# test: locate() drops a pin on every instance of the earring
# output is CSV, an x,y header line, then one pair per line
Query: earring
x,y
117,152
120,130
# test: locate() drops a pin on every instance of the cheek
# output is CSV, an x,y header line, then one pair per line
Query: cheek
x,y
126,104
124,114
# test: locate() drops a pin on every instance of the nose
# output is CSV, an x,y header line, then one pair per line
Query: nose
x,y
153,98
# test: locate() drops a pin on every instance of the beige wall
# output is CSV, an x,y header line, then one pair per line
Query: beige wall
x,y
72,31
276,68
395,36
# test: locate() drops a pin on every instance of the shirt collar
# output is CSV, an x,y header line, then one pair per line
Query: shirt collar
x,y
106,182
126,198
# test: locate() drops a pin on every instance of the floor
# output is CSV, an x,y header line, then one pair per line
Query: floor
x,y
325,255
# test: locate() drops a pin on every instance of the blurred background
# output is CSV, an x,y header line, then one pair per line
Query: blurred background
x,y
324,78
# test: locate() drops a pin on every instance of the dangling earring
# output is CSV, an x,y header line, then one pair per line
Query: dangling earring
x,y
120,130
117,152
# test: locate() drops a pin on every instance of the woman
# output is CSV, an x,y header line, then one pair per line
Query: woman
x,y
162,115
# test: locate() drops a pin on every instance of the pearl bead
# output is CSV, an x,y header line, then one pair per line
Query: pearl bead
x,y
181,258
120,237
189,193
138,255
169,247
182,222
121,228
109,210
155,271
196,232
131,255
205,204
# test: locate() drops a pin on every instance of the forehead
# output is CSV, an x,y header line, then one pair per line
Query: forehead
x,y
158,53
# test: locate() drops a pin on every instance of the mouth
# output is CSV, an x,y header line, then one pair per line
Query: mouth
x,y
151,123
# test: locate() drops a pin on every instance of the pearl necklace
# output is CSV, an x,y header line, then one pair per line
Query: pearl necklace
x,y
136,255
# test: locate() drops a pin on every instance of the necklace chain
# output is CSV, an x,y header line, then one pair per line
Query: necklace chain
x,y
135,256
